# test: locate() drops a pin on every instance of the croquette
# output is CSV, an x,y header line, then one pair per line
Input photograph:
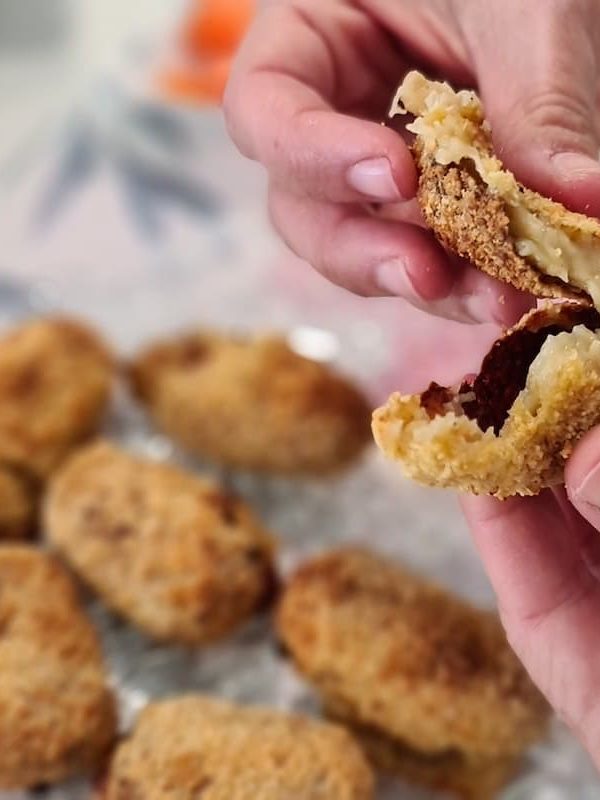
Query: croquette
x,y
55,381
192,747
252,403
17,506
478,209
57,714
450,772
396,655
512,430
170,552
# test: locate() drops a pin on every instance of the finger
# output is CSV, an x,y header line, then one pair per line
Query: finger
x,y
582,478
375,257
530,552
540,94
549,601
279,107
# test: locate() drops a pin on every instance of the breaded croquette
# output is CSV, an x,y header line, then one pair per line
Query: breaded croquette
x,y
57,714
17,506
252,404
193,747
170,552
393,653
55,380
479,210
449,771
511,430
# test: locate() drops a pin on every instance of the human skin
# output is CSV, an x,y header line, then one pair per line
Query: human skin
x,y
307,92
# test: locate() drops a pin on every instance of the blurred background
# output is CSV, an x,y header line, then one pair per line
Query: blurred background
x,y
123,201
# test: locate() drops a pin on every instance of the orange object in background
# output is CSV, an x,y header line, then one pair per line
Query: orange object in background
x,y
210,35
201,84
216,26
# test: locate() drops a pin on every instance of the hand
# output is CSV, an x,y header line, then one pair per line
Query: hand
x,y
543,557
311,75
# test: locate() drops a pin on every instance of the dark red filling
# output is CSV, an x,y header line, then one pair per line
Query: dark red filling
x,y
504,370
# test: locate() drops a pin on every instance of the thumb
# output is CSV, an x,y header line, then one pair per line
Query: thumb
x,y
537,68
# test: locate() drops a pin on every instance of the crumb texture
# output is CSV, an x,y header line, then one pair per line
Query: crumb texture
x,y
558,405
172,553
252,403
399,655
195,747
55,381
57,714
479,210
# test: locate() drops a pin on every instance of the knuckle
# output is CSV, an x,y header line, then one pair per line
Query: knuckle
x,y
562,116
554,107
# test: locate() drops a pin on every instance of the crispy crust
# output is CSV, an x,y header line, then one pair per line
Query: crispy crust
x,y
193,746
252,403
55,381
450,772
401,655
17,506
172,553
559,404
57,715
469,219
469,199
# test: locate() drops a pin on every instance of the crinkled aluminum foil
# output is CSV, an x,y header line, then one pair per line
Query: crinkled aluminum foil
x,y
227,271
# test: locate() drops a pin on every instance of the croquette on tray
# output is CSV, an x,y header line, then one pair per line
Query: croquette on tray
x,y
172,553
411,668
57,714
194,747
55,381
478,209
252,403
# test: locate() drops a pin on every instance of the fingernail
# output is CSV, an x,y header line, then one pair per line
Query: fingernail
x,y
373,178
575,166
484,308
588,491
392,279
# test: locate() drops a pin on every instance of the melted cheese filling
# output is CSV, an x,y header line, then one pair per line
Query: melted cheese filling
x,y
452,128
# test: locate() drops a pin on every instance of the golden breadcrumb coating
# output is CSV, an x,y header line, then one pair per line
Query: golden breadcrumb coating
x,y
450,772
17,506
55,380
558,405
479,210
252,403
396,653
170,552
472,221
57,714
194,747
